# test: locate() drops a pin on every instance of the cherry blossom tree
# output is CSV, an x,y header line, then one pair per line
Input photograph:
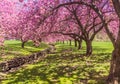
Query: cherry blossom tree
x,y
85,22
26,20
6,9
114,76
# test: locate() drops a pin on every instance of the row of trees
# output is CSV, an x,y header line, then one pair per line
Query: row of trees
x,y
53,20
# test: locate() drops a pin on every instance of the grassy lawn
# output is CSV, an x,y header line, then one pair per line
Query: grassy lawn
x,y
13,49
98,47
67,66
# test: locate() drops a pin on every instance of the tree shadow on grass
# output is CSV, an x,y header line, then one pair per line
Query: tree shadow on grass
x,y
56,69
29,75
66,67
53,75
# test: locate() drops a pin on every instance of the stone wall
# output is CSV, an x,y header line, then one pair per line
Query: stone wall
x,y
19,61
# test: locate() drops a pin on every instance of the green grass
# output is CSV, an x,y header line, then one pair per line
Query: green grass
x,y
13,49
66,67
98,47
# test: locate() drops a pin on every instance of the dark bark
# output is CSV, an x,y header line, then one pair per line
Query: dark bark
x,y
75,41
88,47
79,44
114,74
23,44
70,42
116,4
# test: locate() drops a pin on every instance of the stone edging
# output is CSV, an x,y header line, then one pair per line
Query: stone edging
x,y
19,61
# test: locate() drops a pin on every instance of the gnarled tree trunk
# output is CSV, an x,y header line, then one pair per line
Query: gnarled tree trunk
x,y
88,47
70,42
80,44
75,41
114,74
23,44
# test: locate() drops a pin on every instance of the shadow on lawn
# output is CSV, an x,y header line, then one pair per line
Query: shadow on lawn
x,y
53,76
58,69
66,67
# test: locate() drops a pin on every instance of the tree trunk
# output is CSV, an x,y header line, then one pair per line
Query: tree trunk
x,y
23,44
63,42
88,48
75,41
79,44
114,74
70,42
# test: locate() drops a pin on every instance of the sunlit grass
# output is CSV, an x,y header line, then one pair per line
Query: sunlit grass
x,y
98,47
71,67
12,48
